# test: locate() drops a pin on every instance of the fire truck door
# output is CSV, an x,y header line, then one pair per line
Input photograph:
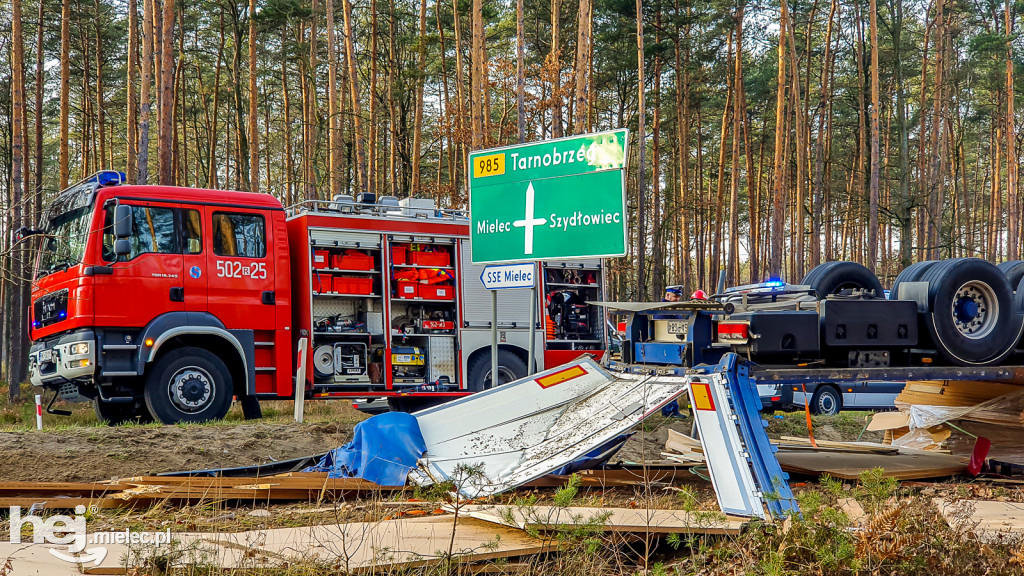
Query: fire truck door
x,y
240,289
147,282
194,255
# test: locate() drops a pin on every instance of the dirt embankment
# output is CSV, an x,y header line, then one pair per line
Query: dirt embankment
x,y
101,453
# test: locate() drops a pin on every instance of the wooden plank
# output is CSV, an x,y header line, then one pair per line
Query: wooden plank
x,y
49,503
849,466
991,521
847,446
888,421
656,521
679,442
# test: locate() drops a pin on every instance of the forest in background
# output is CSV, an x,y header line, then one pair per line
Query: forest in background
x,y
767,138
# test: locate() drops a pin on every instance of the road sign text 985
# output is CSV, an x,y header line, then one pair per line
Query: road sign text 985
x,y
235,269
490,165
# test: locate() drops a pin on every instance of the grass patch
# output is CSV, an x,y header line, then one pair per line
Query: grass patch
x,y
845,426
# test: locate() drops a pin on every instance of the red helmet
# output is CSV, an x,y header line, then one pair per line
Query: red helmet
x,y
699,295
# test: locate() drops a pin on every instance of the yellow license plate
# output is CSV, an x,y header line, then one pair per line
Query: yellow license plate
x,y
490,165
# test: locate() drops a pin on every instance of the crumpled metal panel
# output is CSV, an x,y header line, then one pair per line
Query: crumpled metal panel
x,y
496,440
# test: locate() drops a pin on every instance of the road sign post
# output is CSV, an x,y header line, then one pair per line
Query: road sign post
x,y
560,198
504,277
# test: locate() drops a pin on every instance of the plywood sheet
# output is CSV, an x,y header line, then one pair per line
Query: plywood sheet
x,y
354,547
612,519
850,465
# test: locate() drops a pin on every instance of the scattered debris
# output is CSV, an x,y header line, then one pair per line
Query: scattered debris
x,y
989,520
354,547
905,465
557,421
640,520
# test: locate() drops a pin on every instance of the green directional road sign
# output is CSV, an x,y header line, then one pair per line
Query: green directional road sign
x,y
562,198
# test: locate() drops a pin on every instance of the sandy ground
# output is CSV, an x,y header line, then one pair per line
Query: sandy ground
x,y
100,453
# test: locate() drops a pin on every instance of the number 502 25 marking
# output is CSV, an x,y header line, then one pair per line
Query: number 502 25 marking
x,y
236,269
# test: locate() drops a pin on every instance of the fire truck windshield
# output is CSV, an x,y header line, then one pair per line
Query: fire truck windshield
x,y
63,243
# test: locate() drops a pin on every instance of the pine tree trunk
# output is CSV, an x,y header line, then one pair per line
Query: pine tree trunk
x,y
17,361
145,73
658,234
718,218
254,128
289,160
584,39
733,268
872,259
371,127
132,164
65,92
417,128
334,151
555,64
101,120
167,95
37,193
477,81
779,181
353,84
1012,199
641,184
800,124
520,73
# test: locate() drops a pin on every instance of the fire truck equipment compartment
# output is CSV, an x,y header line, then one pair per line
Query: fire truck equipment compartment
x,y
350,285
398,255
321,259
352,260
436,292
383,450
407,289
430,259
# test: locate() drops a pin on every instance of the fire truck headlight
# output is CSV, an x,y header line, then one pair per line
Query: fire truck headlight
x,y
80,348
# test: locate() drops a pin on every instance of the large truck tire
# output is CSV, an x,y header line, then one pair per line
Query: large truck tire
x,y
971,316
510,368
188,385
833,277
117,413
911,273
826,401
1014,271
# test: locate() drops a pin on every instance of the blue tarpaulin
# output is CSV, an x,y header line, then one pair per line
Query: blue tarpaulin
x,y
383,450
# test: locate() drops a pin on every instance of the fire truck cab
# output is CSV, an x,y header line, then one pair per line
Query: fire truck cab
x,y
166,303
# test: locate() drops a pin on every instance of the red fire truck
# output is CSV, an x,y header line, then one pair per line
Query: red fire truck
x,y
166,303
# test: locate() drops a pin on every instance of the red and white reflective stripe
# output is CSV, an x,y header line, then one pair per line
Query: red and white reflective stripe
x,y
39,412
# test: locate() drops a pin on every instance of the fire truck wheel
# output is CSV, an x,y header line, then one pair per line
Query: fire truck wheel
x,y
826,401
117,413
971,318
911,273
188,385
833,277
510,368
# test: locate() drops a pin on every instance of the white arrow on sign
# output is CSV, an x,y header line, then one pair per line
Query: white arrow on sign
x,y
508,276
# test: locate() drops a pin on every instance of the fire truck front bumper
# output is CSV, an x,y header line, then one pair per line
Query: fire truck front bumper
x,y
63,359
